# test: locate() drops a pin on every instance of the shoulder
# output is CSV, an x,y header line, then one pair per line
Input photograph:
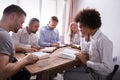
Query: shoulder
x,y
43,28
4,35
104,40
56,30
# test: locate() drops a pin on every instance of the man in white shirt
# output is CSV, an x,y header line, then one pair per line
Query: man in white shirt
x,y
98,55
26,39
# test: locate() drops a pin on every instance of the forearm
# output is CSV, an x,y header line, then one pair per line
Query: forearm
x,y
19,49
99,67
11,68
44,44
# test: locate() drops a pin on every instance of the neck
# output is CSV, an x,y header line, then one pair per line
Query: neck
x,y
28,30
93,32
4,25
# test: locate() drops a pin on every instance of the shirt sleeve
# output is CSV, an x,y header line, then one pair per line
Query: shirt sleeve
x,y
58,37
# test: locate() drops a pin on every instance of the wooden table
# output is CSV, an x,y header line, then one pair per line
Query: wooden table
x,y
46,67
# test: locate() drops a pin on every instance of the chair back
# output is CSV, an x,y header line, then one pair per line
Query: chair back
x,y
110,76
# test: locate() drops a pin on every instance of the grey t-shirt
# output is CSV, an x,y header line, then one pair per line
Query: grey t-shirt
x,y
6,44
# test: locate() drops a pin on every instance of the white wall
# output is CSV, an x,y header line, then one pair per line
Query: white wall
x,y
5,3
110,15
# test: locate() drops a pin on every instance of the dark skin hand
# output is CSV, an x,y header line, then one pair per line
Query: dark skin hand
x,y
82,57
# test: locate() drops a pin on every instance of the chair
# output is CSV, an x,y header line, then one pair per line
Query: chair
x,y
111,75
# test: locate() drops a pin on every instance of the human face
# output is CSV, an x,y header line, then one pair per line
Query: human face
x,y
74,28
84,30
17,24
53,24
34,27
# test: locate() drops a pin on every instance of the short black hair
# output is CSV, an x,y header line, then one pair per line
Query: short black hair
x,y
33,20
54,18
89,17
14,8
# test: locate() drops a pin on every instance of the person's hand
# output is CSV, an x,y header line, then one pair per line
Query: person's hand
x,y
31,58
30,50
54,45
36,47
82,57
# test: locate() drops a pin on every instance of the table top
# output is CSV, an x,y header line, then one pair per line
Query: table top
x,y
49,63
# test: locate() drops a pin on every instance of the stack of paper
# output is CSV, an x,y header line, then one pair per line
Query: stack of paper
x,y
68,53
41,55
49,49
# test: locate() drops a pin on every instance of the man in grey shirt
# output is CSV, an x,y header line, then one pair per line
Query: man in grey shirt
x,y
12,20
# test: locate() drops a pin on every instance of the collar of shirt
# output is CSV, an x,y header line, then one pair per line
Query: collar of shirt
x,y
47,27
95,36
25,30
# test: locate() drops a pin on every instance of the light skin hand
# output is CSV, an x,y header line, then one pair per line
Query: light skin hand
x,y
82,57
36,47
31,58
8,69
31,50
54,44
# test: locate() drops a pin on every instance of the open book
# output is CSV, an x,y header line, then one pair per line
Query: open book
x,y
68,53
76,46
48,49
41,55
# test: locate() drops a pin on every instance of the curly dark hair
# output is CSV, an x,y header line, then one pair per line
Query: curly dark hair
x,y
89,17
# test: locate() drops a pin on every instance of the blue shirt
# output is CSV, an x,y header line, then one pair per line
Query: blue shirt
x,y
48,36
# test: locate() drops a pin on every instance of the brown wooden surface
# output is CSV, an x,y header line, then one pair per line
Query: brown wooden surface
x,y
44,68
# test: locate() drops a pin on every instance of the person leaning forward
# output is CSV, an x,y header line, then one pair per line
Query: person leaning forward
x,y
12,20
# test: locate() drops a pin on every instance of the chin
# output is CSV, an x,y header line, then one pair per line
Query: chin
x,y
34,32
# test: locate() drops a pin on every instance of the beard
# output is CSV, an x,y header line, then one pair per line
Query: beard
x,y
33,31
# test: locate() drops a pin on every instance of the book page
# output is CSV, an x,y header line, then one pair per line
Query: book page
x,y
48,49
41,55
68,53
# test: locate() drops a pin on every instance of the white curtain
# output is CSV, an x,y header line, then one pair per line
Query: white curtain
x,y
68,16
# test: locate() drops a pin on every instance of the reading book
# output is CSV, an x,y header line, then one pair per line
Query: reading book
x,y
41,55
63,45
76,46
68,53
49,49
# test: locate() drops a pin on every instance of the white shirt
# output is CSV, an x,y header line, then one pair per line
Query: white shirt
x,y
22,38
100,54
76,39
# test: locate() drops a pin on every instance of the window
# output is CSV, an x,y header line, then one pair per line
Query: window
x,y
48,9
41,9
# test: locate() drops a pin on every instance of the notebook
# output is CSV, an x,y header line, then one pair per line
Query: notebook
x,y
68,53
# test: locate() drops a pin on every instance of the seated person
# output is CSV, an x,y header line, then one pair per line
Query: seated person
x,y
97,57
74,34
26,39
49,35
10,69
